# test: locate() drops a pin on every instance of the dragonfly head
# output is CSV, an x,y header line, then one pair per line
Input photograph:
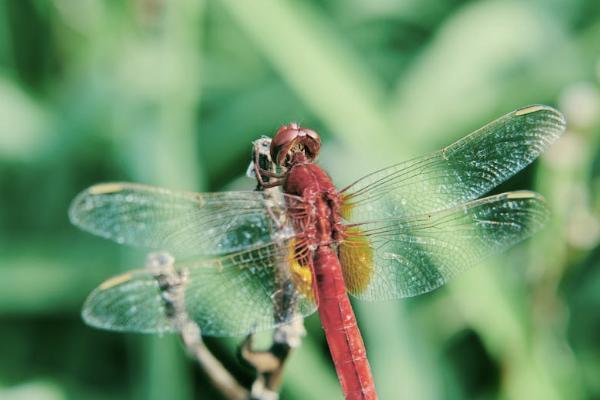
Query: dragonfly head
x,y
293,144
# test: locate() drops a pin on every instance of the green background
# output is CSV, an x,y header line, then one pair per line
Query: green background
x,y
172,93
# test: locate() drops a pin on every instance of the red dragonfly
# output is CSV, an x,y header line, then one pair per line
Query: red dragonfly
x,y
397,232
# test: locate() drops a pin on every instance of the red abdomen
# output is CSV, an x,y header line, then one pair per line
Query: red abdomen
x,y
341,330
318,232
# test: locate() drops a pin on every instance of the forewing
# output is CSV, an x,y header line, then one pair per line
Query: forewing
x,y
183,223
458,173
228,296
404,257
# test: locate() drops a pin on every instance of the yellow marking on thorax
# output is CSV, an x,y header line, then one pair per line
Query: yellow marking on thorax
x,y
356,257
114,281
104,188
301,274
529,110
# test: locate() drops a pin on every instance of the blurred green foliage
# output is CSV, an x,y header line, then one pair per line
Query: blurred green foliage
x,y
172,93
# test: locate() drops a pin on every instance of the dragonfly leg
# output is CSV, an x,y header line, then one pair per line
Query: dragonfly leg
x,y
269,364
272,174
261,173
269,185
277,218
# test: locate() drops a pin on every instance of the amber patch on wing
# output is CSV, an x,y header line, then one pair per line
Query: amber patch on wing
x,y
356,257
301,274
346,208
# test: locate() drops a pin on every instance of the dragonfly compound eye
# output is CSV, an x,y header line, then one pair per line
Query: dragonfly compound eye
x,y
294,144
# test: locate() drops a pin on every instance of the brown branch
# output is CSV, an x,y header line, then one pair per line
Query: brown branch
x,y
172,283
217,373
269,365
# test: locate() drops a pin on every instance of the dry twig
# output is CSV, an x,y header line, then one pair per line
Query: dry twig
x,y
171,283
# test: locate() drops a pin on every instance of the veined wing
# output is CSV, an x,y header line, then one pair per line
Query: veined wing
x,y
458,173
232,295
404,257
183,223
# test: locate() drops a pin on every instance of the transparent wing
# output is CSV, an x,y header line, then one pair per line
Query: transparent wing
x,y
227,296
404,257
131,302
458,173
185,224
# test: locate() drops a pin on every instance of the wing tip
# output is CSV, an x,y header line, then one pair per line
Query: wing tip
x,y
115,281
534,108
523,194
92,319
89,313
73,211
106,188
94,190
89,317
526,195
538,202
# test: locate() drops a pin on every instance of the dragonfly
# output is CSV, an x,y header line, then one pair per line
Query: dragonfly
x,y
398,232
